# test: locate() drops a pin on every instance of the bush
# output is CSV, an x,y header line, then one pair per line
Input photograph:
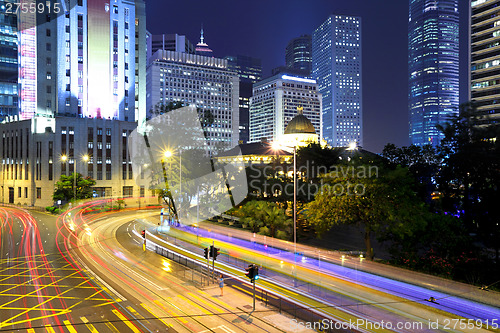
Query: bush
x,y
264,231
50,209
280,234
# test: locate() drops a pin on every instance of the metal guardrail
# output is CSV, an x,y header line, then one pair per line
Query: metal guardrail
x,y
193,272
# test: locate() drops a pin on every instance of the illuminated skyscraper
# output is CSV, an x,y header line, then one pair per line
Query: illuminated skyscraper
x,y
8,63
275,102
336,63
205,82
485,59
81,78
298,53
85,63
433,67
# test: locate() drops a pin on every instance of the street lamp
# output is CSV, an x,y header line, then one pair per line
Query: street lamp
x,y
277,146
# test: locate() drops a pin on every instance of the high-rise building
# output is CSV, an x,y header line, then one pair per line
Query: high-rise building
x,y
8,63
249,71
433,68
275,102
202,47
140,63
169,42
336,54
298,53
485,59
205,82
85,63
81,93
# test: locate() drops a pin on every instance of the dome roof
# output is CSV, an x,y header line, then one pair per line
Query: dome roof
x,y
300,125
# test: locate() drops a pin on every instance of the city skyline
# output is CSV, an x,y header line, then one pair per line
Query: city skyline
x,y
270,26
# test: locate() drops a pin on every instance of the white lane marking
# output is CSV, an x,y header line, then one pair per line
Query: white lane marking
x,y
125,267
88,270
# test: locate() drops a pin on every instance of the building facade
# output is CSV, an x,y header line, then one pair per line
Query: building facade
x,y
205,82
433,68
32,153
336,61
8,63
485,59
274,104
249,71
298,53
81,78
85,63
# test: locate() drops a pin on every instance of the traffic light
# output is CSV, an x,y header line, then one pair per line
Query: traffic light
x,y
252,272
212,251
216,253
206,253
143,233
255,272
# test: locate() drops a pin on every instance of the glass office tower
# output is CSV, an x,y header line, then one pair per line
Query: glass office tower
x,y
8,63
298,53
433,68
336,57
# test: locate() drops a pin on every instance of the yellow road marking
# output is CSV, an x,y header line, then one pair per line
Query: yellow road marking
x,y
177,317
107,303
47,296
194,304
112,327
151,311
137,314
126,321
70,327
7,323
216,300
89,325
49,329
31,330
206,303
248,292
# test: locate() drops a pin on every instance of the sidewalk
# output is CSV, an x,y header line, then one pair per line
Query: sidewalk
x,y
241,301
419,279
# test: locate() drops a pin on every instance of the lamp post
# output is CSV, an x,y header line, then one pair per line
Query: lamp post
x,y
64,158
277,146
167,154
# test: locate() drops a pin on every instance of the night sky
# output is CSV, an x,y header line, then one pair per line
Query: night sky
x,y
262,28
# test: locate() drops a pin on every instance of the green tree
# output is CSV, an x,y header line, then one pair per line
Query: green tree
x,y
385,206
316,160
470,176
422,161
265,217
64,187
